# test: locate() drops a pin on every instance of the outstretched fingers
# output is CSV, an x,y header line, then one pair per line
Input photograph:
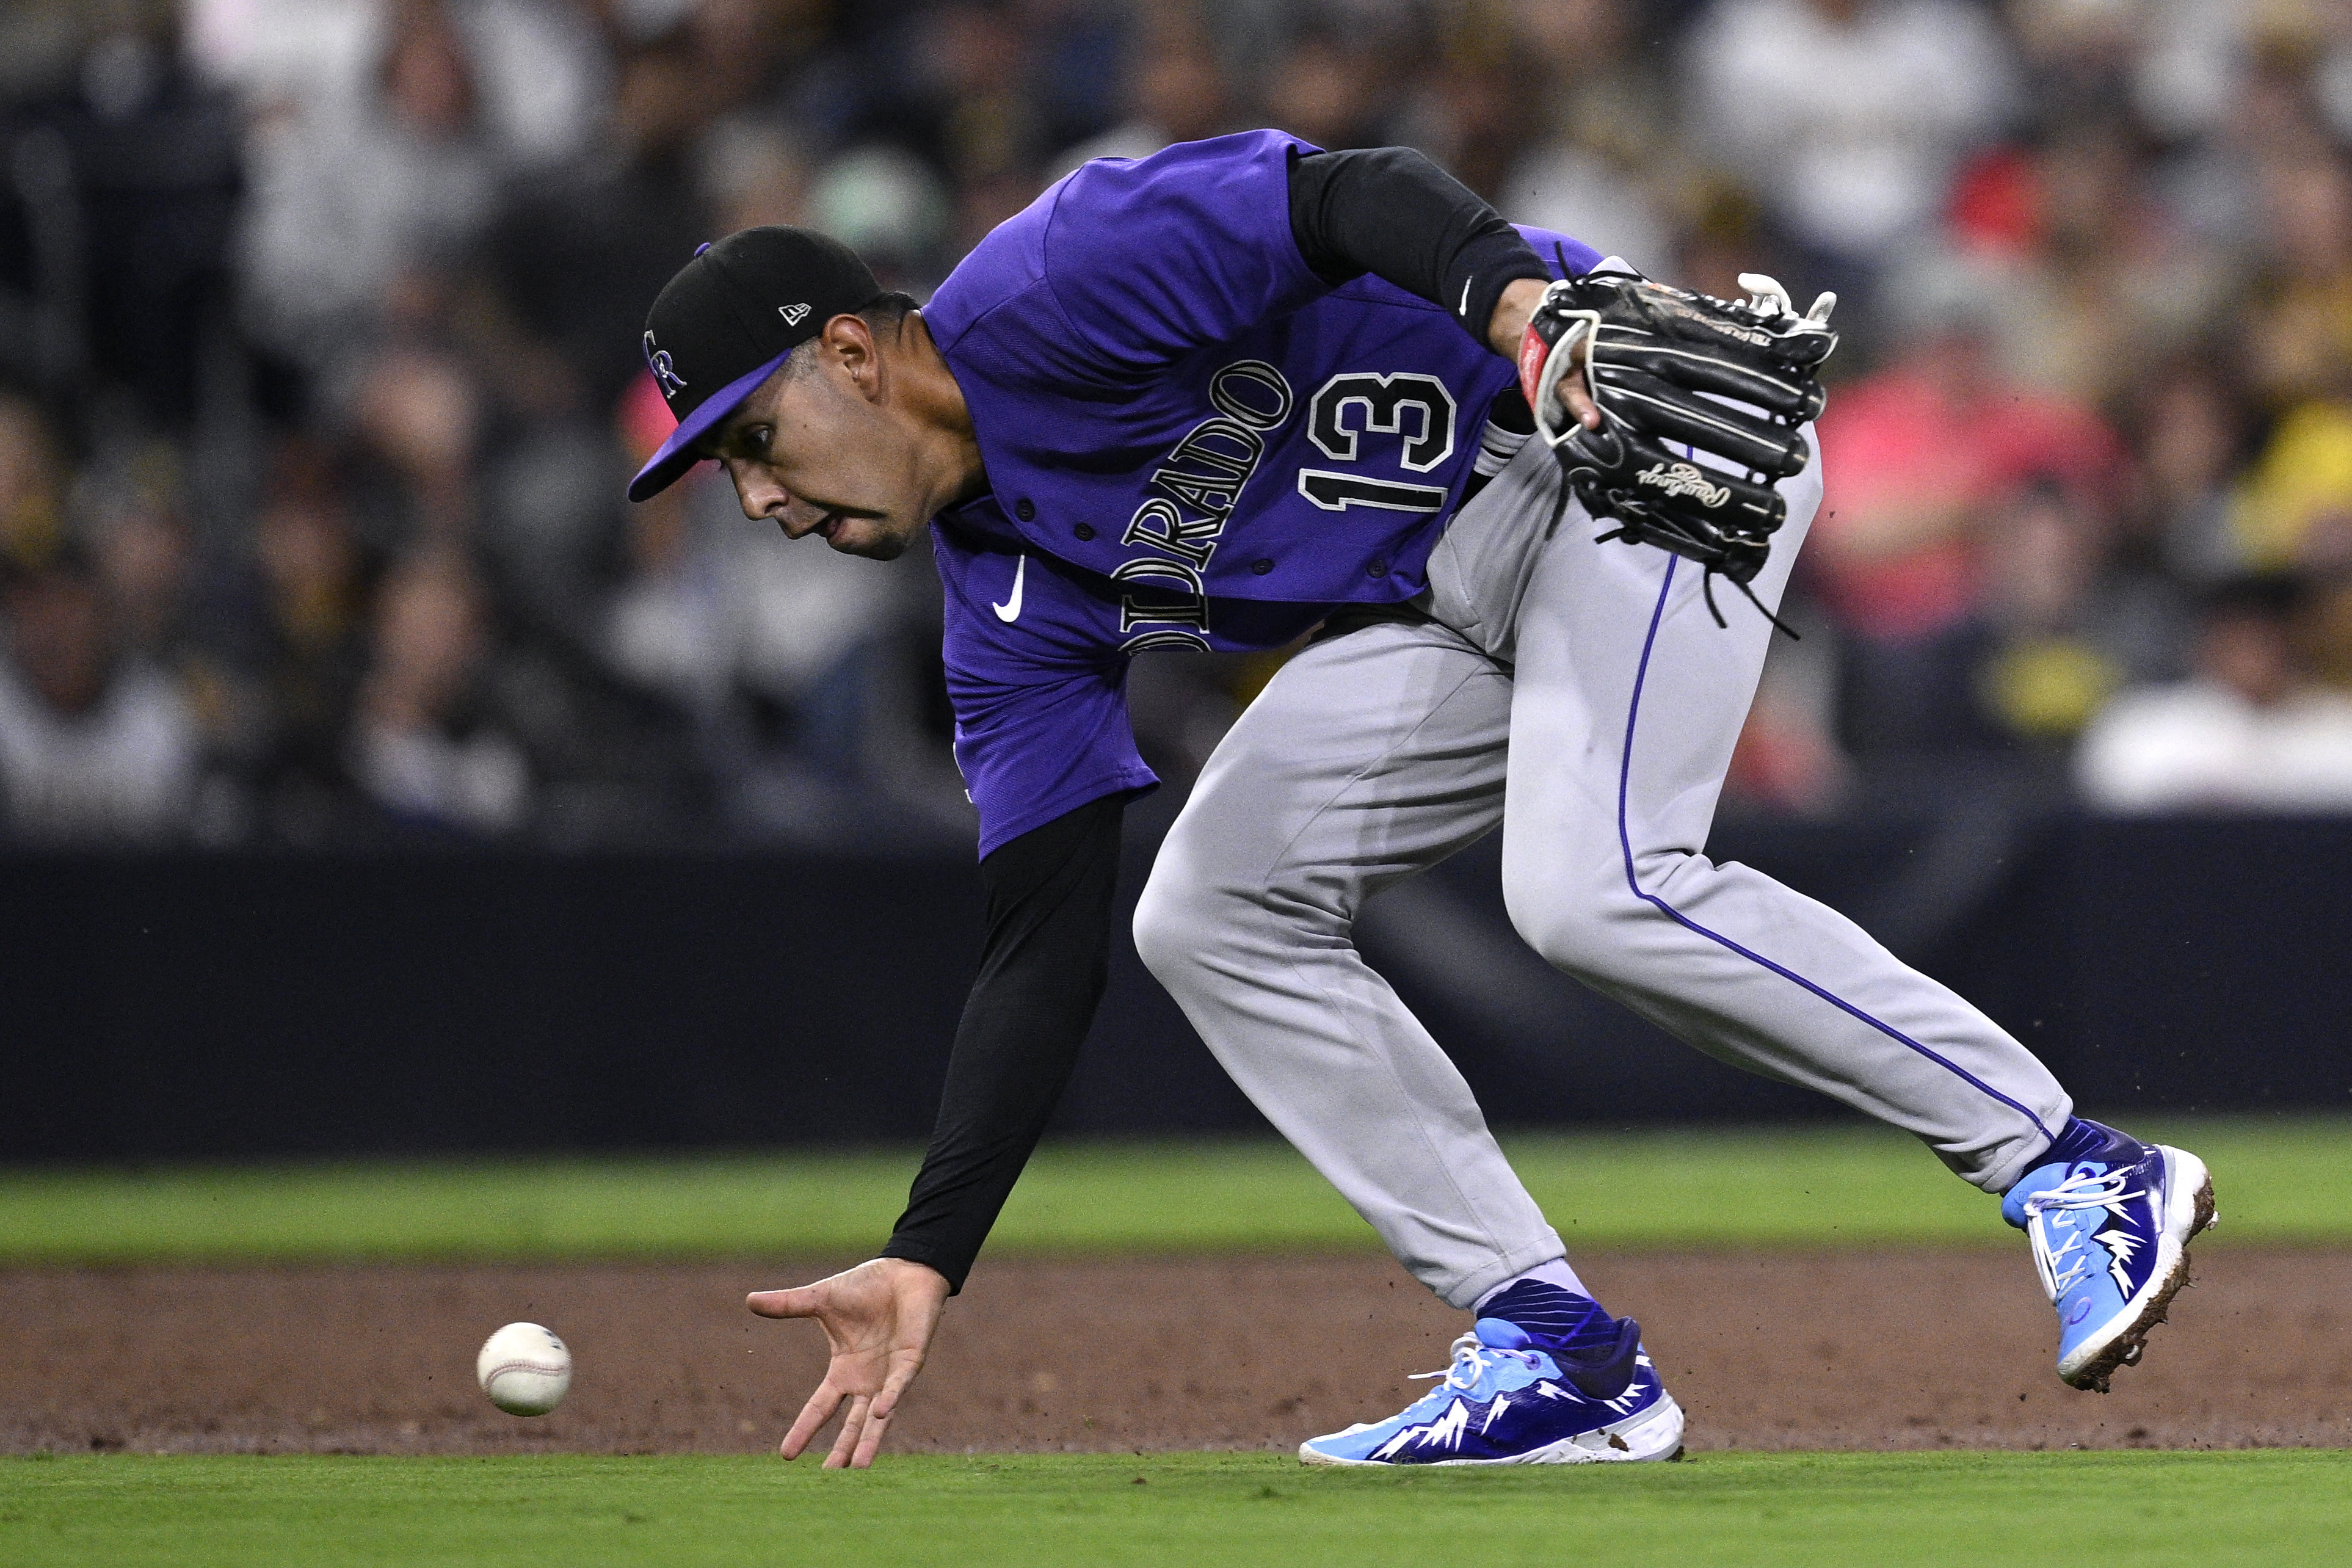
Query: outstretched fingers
x,y
814,1414
884,1406
869,1440
879,1318
853,1427
802,1301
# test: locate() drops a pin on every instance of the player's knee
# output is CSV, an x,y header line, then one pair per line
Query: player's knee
x,y
1196,917
1174,925
1582,927
1570,939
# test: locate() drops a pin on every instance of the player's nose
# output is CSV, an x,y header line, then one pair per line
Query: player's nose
x,y
759,494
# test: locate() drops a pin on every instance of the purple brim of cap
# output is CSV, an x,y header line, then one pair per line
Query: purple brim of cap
x,y
675,457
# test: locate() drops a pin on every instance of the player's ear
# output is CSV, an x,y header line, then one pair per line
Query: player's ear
x,y
849,342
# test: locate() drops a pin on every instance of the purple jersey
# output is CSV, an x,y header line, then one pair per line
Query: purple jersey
x,y
1192,442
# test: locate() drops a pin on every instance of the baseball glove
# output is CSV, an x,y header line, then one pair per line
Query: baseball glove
x,y
1677,377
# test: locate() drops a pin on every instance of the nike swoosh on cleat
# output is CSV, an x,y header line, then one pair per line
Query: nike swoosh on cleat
x,y
1010,611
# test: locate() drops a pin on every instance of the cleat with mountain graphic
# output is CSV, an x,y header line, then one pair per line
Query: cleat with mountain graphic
x,y
2110,1241
1506,1400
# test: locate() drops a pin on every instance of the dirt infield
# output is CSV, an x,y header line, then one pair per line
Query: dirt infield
x,y
1899,1350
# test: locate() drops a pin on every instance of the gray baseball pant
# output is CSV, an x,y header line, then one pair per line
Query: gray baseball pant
x,y
1581,695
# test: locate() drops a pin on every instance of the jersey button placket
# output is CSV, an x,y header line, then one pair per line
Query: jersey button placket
x,y
1378,568
1261,567
1084,531
1026,510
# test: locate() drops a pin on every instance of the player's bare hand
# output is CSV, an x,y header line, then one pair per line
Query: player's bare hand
x,y
1510,325
879,1318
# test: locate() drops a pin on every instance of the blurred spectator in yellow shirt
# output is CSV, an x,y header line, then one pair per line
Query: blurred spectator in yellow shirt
x,y
31,484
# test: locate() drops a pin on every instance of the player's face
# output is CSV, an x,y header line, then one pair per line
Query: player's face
x,y
820,450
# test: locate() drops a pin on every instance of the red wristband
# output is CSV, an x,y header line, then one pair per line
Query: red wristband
x,y
1534,349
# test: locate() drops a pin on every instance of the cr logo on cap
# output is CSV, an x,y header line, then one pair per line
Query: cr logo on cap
x,y
658,362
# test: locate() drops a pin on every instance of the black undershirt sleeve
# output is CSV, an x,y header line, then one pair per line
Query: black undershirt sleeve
x,y
1390,211
1042,971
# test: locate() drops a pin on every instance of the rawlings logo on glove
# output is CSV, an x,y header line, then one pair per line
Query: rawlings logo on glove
x,y
1728,383
1682,479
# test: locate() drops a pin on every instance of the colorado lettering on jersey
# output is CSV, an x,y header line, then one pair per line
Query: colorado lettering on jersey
x,y
1192,439
1190,498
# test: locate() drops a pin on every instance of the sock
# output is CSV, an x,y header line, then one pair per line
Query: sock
x,y
1556,1272
1552,1318
2082,1140
2079,1140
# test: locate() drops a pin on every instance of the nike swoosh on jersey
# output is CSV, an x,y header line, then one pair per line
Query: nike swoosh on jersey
x,y
1010,611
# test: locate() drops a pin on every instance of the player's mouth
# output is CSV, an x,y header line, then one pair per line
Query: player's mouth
x,y
853,531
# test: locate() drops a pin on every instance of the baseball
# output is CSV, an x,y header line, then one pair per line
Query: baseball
x,y
524,1369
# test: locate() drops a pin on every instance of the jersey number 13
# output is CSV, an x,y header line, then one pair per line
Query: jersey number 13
x,y
1406,404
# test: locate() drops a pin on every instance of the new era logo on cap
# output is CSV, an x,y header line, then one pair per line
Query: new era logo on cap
x,y
792,314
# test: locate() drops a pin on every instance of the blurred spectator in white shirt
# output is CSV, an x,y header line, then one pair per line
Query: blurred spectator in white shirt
x,y
2253,730
541,64
415,110
1848,115
345,202
2198,60
93,748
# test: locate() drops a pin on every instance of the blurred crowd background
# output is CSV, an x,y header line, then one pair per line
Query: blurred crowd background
x,y
320,383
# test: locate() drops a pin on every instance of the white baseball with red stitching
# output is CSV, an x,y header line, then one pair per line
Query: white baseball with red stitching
x,y
524,1369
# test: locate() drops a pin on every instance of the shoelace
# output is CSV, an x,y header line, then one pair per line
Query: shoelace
x,y
2080,1191
1476,1357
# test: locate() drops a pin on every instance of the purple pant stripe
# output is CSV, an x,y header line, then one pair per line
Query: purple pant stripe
x,y
1624,838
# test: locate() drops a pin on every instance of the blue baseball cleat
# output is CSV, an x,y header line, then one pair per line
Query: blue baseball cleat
x,y
1508,1399
2110,1235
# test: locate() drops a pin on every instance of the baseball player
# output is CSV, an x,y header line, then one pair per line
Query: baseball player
x,y
1244,389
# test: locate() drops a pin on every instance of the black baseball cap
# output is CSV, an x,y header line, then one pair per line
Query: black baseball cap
x,y
729,320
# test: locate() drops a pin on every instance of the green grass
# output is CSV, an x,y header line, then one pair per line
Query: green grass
x,y
1817,1510
2281,1180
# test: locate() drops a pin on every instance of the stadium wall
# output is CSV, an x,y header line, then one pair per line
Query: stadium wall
x,y
192,1006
